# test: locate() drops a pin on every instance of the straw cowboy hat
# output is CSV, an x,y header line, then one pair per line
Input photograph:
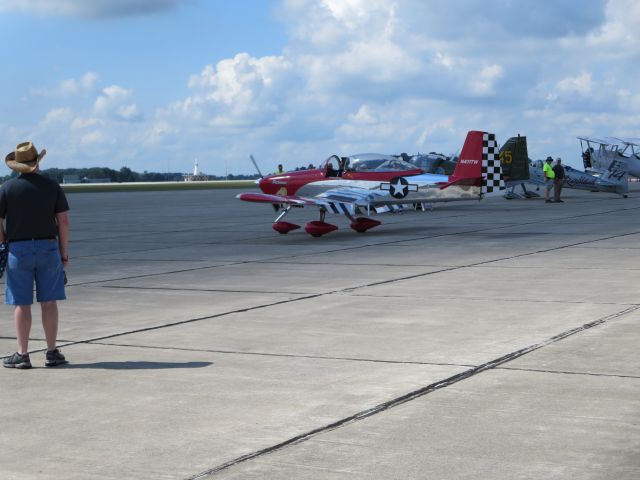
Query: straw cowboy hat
x,y
25,158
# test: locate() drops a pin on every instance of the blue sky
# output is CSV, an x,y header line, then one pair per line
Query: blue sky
x,y
154,84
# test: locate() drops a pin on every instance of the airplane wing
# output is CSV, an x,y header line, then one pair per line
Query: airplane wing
x,y
599,141
273,199
338,200
478,173
629,141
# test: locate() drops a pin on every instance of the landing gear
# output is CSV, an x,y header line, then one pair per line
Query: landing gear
x,y
362,224
317,228
283,227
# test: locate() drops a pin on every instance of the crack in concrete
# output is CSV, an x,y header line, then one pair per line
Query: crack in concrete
x,y
565,372
492,364
357,247
221,290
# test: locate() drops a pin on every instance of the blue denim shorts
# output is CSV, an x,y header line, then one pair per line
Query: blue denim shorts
x,y
34,261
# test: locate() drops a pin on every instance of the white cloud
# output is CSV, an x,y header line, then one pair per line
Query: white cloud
x,y
70,87
128,112
445,60
401,74
620,32
363,116
446,124
92,138
387,75
239,91
582,84
84,85
81,123
57,116
114,102
483,83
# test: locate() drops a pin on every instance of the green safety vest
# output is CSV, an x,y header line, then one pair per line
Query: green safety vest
x,y
548,169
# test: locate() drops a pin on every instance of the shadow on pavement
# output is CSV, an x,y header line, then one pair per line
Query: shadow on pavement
x,y
133,365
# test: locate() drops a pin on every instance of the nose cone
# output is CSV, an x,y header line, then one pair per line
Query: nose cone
x,y
267,186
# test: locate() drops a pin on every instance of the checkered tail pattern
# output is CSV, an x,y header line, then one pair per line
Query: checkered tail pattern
x,y
491,169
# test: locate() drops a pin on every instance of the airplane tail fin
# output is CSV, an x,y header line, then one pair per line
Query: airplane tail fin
x,y
514,159
479,164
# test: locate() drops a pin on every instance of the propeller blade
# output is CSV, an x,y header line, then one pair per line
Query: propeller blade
x,y
255,164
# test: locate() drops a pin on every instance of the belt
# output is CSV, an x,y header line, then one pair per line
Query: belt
x,y
52,237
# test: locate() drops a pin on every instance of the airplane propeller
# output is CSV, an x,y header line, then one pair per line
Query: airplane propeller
x,y
276,207
255,164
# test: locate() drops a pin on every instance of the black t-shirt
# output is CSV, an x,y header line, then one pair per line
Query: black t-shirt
x,y
29,203
559,171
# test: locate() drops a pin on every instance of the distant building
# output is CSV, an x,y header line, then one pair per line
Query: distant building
x,y
96,180
68,179
197,175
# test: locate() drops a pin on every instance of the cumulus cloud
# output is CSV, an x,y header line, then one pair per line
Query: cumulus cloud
x,y
243,90
57,116
114,102
92,138
94,9
68,87
400,73
83,85
619,32
483,83
82,123
388,75
582,84
484,20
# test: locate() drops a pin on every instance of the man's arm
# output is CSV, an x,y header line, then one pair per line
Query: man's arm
x,y
2,236
63,235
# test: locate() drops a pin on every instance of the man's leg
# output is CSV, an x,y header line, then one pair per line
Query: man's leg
x,y
22,315
50,323
556,190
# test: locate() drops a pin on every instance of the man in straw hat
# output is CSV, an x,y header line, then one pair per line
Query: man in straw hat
x,y
37,232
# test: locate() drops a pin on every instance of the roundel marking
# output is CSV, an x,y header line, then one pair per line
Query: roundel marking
x,y
399,187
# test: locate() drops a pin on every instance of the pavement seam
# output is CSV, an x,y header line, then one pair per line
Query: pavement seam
x,y
307,297
383,282
485,262
181,322
324,252
565,372
220,290
492,364
284,355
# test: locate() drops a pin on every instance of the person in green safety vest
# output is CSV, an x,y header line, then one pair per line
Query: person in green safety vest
x,y
549,176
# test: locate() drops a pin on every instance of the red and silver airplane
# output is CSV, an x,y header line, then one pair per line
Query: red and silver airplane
x,y
371,183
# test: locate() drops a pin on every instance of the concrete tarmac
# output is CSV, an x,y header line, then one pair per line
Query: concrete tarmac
x,y
490,340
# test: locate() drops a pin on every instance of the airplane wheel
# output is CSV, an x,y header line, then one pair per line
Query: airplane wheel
x,y
625,196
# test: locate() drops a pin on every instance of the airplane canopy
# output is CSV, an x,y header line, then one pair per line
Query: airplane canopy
x,y
376,162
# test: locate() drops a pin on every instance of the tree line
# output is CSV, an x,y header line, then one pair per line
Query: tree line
x,y
125,174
